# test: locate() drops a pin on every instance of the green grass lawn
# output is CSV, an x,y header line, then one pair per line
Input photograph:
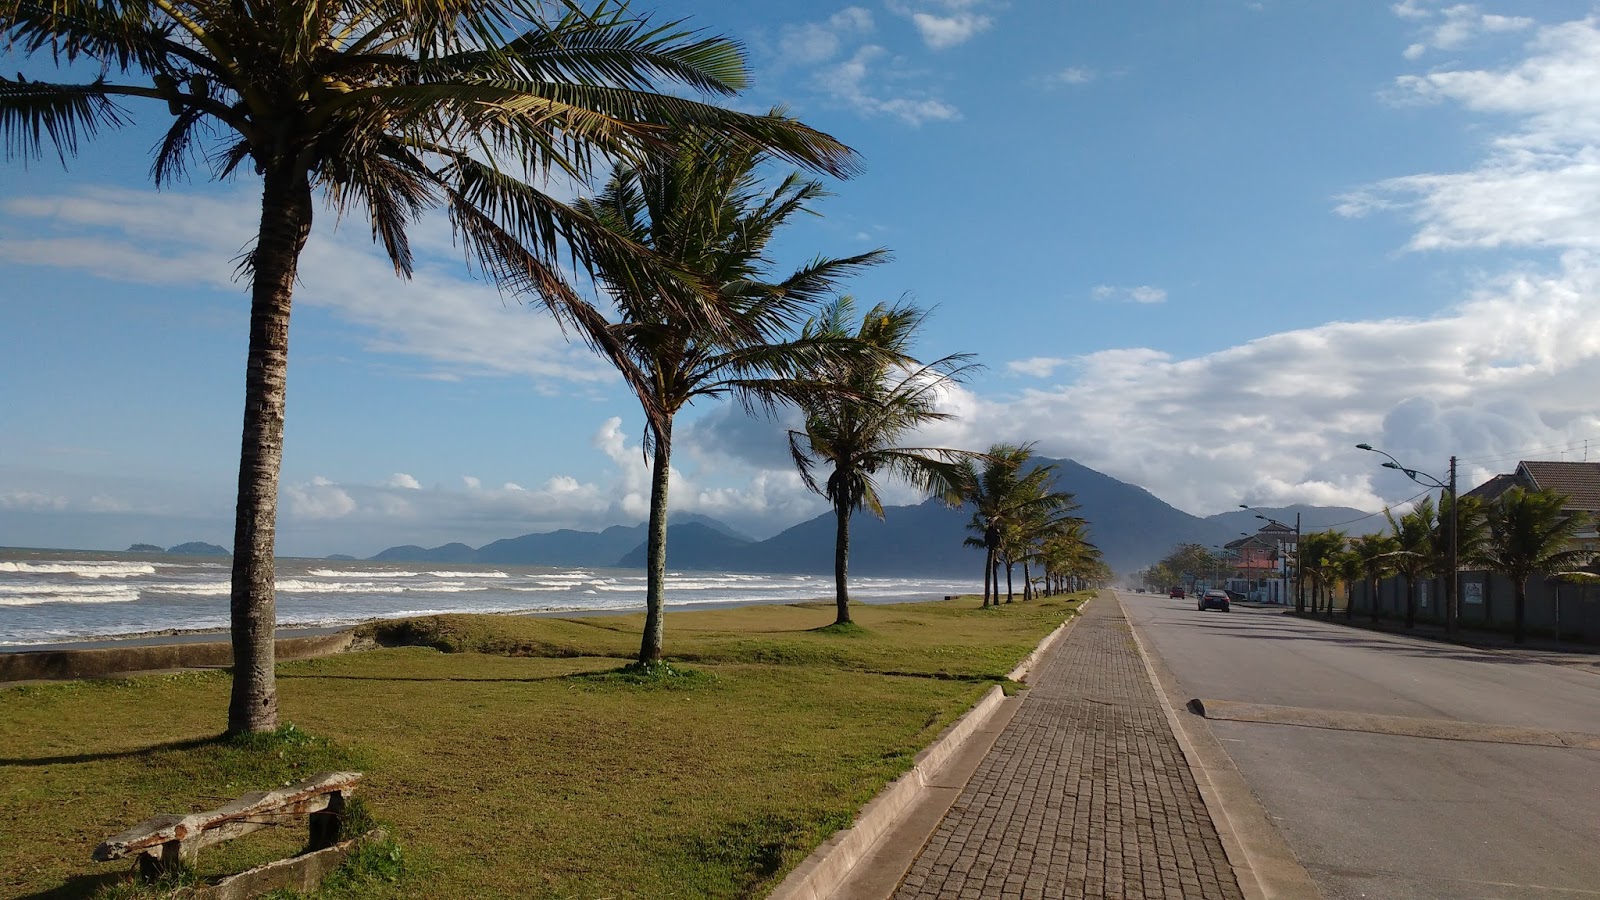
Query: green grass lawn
x,y
511,764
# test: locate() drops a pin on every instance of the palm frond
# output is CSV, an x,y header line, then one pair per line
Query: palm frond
x,y
33,111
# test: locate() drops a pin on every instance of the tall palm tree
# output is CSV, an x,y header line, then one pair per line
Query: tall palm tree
x,y
1413,534
1003,497
1376,556
389,108
1346,566
705,211
1530,532
1318,549
865,405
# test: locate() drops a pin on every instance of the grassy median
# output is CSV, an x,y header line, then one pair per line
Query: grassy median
x,y
510,758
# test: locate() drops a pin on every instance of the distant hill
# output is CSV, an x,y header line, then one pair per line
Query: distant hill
x,y
449,553
564,547
146,548
1132,527
199,548
339,557
692,545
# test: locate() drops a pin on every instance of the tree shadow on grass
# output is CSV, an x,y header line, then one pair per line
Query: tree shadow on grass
x,y
428,678
79,886
190,744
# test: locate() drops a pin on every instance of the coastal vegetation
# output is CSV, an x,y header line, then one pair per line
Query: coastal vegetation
x,y
508,757
388,110
704,212
1014,505
865,405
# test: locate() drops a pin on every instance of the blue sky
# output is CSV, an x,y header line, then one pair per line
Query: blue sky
x,y
1202,247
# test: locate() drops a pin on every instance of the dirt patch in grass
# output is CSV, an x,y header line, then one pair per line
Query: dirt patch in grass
x,y
509,774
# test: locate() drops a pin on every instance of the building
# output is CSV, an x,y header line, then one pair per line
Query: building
x,y
1579,481
1262,561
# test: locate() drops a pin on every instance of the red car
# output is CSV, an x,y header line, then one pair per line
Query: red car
x,y
1176,593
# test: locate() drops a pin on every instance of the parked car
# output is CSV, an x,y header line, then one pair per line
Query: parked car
x,y
1214,600
1175,593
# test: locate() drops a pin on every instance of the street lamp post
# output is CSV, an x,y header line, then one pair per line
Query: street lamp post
x,y
1452,584
1299,600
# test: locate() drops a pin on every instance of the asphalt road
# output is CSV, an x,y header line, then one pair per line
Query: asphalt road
x,y
1387,815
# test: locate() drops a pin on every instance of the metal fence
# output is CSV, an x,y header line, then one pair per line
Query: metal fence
x,y
1564,609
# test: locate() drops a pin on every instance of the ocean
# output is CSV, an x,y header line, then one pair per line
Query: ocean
x,y
55,596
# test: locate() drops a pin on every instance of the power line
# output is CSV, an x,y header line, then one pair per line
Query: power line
x,y
1572,445
1379,512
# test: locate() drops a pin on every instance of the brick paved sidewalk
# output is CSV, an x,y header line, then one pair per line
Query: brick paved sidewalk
x,y
1085,794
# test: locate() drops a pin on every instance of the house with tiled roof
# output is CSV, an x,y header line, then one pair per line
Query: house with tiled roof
x,y
1579,481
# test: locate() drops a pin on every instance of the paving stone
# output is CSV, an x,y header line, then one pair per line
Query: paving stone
x,y
1085,794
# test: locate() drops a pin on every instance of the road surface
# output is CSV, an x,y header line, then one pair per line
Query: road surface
x,y
1371,809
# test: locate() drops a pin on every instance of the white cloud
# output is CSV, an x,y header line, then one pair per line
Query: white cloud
x,y
1037,367
942,32
1073,75
1539,184
850,82
472,482
1454,26
1275,420
814,42
34,501
402,480
1144,294
318,499
444,317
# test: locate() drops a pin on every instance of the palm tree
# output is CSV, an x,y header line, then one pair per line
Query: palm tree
x,y
1003,497
867,404
389,108
1346,566
1376,555
1317,552
1413,534
1067,555
704,211
1530,532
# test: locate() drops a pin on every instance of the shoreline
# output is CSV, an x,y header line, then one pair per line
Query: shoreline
x,y
179,636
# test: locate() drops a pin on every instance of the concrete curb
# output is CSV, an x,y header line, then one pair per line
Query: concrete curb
x,y
1262,861
100,662
821,873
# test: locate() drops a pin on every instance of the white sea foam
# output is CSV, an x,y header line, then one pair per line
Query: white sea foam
x,y
341,573
35,590
469,574
119,595
198,588
81,569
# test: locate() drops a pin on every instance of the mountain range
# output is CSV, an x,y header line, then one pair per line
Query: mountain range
x,y
1132,527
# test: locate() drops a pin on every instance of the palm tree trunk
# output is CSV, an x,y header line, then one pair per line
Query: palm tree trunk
x,y
1520,610
1027,582
1411,601
656,549
286,215
1377,587
841,566
988,568
1009,567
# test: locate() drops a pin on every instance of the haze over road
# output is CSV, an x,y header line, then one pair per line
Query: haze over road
x,y
1376,814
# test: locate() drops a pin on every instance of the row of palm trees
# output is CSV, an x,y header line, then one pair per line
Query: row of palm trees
x,y
1519,534
1018,517
391,109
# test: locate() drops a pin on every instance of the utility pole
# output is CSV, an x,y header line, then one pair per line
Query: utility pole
x,y
1299,587
1453,588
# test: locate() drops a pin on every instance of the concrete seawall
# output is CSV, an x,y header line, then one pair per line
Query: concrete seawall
x,y
97,662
